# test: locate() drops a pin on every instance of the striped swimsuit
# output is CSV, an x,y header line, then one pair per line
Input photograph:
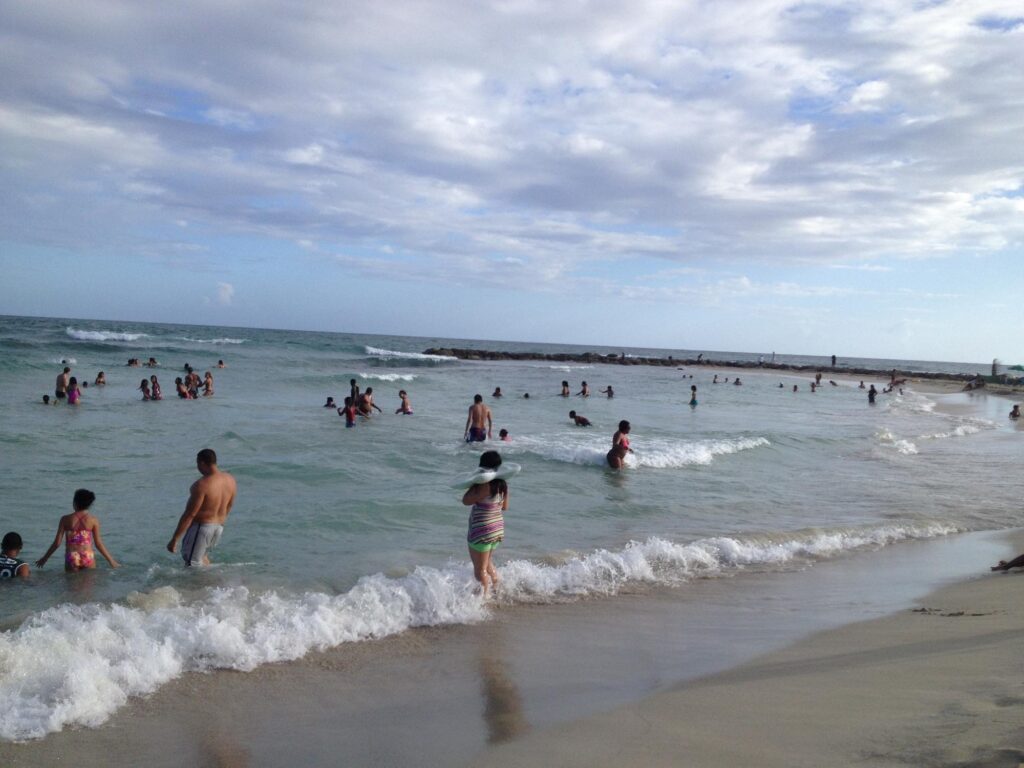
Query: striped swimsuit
x,y
486,524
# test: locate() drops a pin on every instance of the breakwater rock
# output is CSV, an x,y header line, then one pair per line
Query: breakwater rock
x,y
677,362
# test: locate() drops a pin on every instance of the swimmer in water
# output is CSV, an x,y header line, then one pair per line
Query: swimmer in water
x,y
610,392
330,403
144,386
81,530
101,380
496,392
504,436
478,421
579,421
349,412
406,407
584,390
565,389
693,395
620,446
158,393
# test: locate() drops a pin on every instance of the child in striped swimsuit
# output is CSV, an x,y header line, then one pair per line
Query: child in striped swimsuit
x,y
486,521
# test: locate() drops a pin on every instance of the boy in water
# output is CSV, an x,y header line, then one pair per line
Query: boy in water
x,y
579,421
349,412
10,565
406,407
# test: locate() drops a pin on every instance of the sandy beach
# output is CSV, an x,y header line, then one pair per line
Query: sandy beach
x,y
936,685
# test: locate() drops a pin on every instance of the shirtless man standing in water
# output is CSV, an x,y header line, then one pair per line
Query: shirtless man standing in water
x,y
209,503
479,416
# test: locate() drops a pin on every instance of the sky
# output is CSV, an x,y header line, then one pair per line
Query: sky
x,y
802,177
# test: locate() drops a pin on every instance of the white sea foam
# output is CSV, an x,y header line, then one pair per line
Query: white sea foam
x,y
389,376
390,354
77,664
74,333
224,340
906,447
64,361
961,430
657,453
569,368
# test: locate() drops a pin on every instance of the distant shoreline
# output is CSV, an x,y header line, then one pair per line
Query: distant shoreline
x,y
595,357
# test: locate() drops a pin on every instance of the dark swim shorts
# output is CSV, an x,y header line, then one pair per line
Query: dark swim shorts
x,y
476,435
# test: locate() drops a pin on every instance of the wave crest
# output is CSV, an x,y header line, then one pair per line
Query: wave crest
x,y
79,335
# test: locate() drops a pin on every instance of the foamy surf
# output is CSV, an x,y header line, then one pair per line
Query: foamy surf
x,y
654,453
390,354
78,664
388,376
79,335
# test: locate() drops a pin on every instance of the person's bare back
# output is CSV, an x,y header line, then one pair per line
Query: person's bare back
x,y
209,504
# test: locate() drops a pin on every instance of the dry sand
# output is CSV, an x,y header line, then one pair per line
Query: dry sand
x,y
940,685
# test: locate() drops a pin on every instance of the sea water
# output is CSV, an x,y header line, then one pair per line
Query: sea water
x,y
342,535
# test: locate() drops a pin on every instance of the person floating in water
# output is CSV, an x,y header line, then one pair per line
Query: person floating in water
x,y
496,392
81,530
330,403
504,436
693,395
579,421
486,521
620,446
1015,412
406,407
101,380
737,382
478,421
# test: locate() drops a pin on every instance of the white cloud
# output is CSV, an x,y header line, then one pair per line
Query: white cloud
x,y
225,294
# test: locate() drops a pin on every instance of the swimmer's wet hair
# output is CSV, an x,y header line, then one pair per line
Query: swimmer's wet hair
x,y
206,456
83,499
490,460
11,541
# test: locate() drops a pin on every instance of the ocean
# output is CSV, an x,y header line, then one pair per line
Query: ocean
x,y
347,535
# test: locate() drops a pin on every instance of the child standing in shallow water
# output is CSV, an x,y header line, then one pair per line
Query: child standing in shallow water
x,y
81,530
486,521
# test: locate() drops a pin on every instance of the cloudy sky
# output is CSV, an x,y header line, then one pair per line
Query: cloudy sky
x,y
808,177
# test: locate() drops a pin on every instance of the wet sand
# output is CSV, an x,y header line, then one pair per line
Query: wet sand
x,y
554,684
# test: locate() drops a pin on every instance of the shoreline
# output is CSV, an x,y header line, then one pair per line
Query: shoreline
x,y
516,681
992,383
934,685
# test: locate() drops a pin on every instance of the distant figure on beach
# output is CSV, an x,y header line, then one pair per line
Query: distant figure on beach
x,y
832,383
74,394
814,387
349,412
737,383
496,392
833,361
796,388
80,530
1017,562
366,403
1015,412
872,394
579,421
526,395
610,392
700,358
861,384
693,395
726,379
584,390
715,380
620,446
478,421
781,385
565,389
817,378
10,566
220,364
406,407
101,380
60,389
157,393
330,402
486,521
144,386
208,385
504,436
209,504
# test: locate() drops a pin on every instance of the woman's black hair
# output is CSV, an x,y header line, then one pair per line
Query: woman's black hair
x,y
623,426
492,460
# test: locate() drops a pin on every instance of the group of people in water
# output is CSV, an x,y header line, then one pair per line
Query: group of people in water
x,y
187,387
198,530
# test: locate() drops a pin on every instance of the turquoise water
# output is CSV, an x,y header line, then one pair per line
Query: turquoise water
x,y
339,535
